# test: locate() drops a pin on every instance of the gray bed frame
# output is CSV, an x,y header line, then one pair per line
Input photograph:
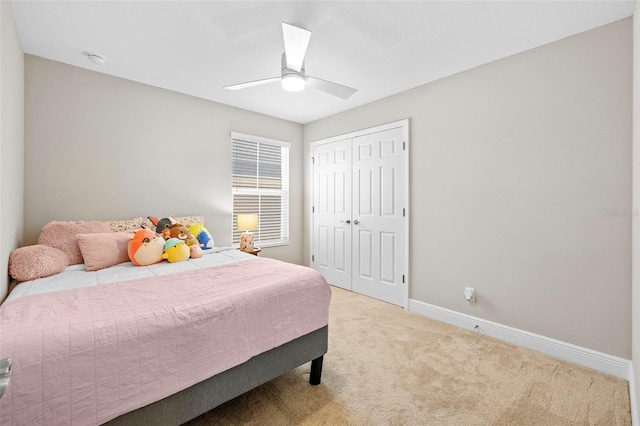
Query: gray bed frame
x,y
208,394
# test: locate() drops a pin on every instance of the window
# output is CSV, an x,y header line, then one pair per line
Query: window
x,y
260,185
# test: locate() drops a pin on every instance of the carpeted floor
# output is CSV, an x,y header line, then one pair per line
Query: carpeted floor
x,y
387,366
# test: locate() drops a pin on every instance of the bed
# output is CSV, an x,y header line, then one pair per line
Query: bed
x,y
157,344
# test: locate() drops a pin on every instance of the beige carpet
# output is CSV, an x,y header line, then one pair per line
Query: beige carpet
x,y
386,366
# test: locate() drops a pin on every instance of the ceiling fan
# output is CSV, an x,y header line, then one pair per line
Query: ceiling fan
x,y
293,77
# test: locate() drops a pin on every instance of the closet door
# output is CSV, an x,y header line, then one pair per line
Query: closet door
x,y
378,204
359,224
332,212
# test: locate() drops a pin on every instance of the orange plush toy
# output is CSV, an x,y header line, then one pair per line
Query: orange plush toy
x,y
145,248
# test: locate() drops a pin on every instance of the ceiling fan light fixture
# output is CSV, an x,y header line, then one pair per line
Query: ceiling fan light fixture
x,y
293,77
293,82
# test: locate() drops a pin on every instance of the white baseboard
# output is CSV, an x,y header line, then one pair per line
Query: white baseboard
x,y
635,420
608,364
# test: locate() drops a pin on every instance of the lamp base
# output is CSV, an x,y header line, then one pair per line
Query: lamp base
x,y
246,242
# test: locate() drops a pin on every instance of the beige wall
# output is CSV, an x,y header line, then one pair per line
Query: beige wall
x,y
99,147
11,139
520,187
635,305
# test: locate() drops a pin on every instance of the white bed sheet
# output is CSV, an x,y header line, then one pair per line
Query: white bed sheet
x,y
76,276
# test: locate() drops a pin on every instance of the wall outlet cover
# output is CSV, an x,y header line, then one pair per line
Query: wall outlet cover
x,y
470,294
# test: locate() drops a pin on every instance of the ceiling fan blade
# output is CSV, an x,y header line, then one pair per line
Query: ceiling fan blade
x,y
252,83
296,41
335,89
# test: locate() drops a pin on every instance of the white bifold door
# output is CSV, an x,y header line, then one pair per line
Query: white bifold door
x,y
359,212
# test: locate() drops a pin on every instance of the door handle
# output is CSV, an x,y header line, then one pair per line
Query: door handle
x,y
355,222
347,221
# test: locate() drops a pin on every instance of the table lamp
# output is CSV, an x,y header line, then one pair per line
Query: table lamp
x,y
247,222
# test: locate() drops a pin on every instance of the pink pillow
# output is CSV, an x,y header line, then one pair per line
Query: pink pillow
x,y
104,249
62,235
37,261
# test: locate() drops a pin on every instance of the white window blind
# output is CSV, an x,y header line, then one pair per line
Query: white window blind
x,y
260,185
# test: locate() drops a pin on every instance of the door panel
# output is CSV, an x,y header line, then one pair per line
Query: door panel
x,y
365,255
365,196
388,258
339,254
322,249
332,210
378,163
388,191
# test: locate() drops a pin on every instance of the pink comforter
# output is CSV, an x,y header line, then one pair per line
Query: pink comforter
x,y
85,356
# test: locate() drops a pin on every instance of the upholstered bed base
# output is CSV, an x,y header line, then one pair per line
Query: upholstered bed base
x,y
208,394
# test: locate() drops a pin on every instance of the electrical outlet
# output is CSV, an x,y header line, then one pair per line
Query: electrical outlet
x,y
470,294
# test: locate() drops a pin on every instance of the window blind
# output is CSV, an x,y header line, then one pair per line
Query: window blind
x,y
260,185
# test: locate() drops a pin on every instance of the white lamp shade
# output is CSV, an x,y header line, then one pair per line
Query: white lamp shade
x,y
247,222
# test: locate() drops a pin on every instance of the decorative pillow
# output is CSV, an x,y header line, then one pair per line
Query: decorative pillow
x,y
134,224
104,249
37,261
62,235
188,220
137,223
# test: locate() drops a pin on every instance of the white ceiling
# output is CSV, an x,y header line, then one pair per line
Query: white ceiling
x,y
380,48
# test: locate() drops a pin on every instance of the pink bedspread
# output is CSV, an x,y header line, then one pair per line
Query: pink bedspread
x,y
85,356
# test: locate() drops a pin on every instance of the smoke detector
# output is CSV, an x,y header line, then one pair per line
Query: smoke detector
x,y
96,59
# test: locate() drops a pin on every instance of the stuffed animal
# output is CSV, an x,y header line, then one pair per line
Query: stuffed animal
x,y
181,232
161,224
202,235
178,230
145,248
196,251
175,250
167,227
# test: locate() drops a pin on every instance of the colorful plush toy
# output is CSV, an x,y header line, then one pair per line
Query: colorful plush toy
x,y
175,250
168,227
145,248
202,235
180,231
